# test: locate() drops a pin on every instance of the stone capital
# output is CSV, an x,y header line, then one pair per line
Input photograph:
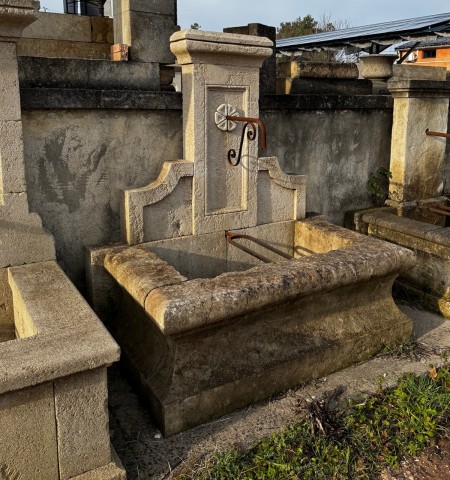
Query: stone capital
x,y
195,46
15,15
419,88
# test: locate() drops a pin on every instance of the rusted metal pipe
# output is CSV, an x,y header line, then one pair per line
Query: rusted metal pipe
x,y
231,237
441,210
436,134
251,135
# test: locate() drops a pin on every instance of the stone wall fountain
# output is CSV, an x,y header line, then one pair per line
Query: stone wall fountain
x,y
417,210
204,326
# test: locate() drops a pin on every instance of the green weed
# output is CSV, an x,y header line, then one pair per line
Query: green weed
x,y
355,444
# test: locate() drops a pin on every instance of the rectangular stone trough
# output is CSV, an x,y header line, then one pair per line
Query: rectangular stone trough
x,y
201,347
429,280
53,392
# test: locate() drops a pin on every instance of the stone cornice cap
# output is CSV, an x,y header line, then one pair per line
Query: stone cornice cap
x,y
15,15
419,88
196,46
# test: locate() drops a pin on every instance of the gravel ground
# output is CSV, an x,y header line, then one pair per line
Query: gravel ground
x,y
147,455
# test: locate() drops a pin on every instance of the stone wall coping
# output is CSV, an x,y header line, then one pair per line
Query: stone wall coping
x,y
219,38
212,48
196,303
62,98
419,88
67,98
69,336
326,102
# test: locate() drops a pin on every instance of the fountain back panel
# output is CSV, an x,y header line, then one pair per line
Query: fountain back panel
x,y
206,328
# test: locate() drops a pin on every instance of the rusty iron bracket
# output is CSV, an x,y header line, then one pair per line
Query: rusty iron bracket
x,y
251,135
231,237
436,134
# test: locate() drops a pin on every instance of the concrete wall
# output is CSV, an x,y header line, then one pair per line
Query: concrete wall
x,y
82,148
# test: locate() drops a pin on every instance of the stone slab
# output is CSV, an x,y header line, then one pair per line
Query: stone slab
x,y
28,447
332,86
99,74
81,408
417,72
318,70
59,26
159,7
30,47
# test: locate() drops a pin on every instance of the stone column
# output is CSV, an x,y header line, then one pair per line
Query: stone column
x,y
22,238
145,26
220,77
417,160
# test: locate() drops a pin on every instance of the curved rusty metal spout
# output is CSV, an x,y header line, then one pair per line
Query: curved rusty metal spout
x,y
251,135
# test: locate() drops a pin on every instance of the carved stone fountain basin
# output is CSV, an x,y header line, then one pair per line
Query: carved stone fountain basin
x,y
199,348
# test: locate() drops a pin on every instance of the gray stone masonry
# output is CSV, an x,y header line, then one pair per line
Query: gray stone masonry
x,y
145,26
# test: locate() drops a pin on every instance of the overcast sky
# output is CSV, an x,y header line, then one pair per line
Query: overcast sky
x,y
216,14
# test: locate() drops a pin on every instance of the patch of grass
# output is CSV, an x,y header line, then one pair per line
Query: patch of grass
x,y
355,444
411,350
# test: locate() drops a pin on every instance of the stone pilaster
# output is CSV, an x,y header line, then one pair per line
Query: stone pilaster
x,y
220,77
417,160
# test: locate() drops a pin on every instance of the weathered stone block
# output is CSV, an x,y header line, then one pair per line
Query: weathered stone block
x,y
147,34
57,26
22,243
12,172
9,86
99,74
82,423
416,72
29,47
28,446
159,7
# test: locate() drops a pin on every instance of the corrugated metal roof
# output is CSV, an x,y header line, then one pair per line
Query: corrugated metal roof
x,y
380,31
440,42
